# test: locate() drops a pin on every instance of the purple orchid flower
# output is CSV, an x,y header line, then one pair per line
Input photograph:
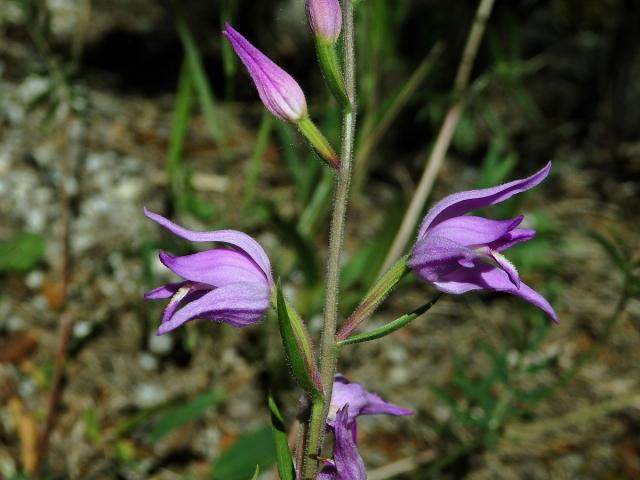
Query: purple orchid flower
x,y
229,285
347,463
349,401
325,18
458,253
279,92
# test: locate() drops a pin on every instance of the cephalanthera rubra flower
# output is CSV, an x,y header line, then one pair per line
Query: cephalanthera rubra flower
x,y
325,18
349,401
458,253
231,284
279,92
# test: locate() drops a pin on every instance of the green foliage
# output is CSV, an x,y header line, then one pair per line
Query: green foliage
x,y
22,252
178,416
283,455
239,460
482,403
255,164
377,293
390,327
200,81
297,345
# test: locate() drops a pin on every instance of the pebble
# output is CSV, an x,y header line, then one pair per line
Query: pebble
x,y
81,329
160,345
147,362
147,395
34,280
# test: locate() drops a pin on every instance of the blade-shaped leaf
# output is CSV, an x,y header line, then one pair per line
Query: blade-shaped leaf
x,y
180,415
283,455
389,327
237,462
21,252
375,296
257,472
201,82
297,346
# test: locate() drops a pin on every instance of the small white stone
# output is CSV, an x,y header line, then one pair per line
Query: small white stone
x,y
148,362
81,329
146,395
34,279
160,344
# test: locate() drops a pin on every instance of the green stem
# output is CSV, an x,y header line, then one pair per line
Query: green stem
x,y
318,142
328,347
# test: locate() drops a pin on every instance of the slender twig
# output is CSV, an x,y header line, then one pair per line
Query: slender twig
x,y
439,151
64,328
328,349
372,138
402,466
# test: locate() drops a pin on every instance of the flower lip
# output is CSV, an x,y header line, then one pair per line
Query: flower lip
x,y
278,91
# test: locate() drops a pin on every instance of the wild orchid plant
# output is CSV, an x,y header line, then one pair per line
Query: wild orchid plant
x,y
233,283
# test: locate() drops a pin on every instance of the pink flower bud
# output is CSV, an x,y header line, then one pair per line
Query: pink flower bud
x,y
325,18
279,92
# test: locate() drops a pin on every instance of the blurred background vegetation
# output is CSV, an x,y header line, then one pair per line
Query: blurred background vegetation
x,y
106,106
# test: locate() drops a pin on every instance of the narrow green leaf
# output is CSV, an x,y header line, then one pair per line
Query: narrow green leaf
x,y
201,82
283,455
179,126
319,203
22,252
180,415
257,472
389,327
297,345
257,158
237,462
375,296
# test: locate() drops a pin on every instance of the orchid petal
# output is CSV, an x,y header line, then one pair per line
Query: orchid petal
x,y
216,267
349,464
235,238
238,304
489,277
512,238
463,202
508,267
470,231
360,401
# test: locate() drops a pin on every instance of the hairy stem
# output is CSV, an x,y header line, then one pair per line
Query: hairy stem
x,y
328,349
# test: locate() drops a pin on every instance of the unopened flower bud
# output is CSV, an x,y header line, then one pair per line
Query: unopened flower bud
x,y
279,92
325,18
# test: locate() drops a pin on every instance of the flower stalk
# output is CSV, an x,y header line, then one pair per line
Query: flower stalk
x,y
328,345
328,59
318,142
